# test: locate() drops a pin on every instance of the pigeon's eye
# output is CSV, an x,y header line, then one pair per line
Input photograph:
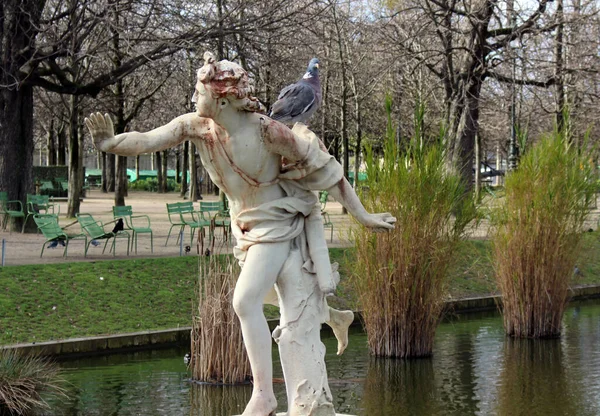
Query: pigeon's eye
x,y
223,103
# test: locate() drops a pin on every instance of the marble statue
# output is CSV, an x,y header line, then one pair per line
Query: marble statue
x,y
268,172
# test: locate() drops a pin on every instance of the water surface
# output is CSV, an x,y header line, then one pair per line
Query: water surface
x,y
475,370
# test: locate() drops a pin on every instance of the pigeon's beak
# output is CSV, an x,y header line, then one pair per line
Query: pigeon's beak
x,y
317,66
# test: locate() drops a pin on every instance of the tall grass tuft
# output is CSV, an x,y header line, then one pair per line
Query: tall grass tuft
x,y
400,276
218,354
25,382
537,234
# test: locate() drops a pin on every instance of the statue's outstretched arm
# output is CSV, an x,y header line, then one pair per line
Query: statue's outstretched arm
x,y
134,143
281,140
345,195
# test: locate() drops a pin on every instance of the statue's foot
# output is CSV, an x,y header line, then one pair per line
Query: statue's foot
x,y
260,405
340,321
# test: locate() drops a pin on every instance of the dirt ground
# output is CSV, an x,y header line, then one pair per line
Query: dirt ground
x,y
25,248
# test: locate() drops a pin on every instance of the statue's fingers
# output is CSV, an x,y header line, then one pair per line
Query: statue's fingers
x,y
109,123
96,122
88,124
102,120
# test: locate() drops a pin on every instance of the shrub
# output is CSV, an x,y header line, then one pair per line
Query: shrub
x,y
24,380
537,234
151,185
400,275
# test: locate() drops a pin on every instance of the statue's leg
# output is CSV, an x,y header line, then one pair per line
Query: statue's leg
x,y
259,273
302,353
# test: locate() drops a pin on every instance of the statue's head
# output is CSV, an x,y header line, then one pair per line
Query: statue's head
x,y
223,83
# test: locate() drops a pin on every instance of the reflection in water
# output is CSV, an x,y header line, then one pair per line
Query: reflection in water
x,y
400,387
475,370
218,400
534,380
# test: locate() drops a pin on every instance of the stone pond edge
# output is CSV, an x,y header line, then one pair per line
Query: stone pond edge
x,y
108,344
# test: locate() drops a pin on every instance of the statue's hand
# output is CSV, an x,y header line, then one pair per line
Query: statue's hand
x,y
102,131
380,222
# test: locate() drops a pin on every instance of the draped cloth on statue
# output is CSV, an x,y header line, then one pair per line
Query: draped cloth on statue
x,y
317,171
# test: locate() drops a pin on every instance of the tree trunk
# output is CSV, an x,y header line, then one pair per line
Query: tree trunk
x,y
559,68
477,168
103,166
193,174
75,159
357,149
18,31
466,131
61,147
16,146
184,168
121,181
51,146
165,162
159,172
110,166
177,166
137,168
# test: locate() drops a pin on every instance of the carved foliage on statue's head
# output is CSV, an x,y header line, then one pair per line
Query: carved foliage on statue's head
x,y
225,79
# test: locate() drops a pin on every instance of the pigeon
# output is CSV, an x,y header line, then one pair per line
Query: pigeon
x,y
299,101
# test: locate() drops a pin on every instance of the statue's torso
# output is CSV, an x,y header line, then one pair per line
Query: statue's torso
x,y
240,165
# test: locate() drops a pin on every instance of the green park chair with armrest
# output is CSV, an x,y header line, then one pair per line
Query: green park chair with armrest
x,y
327,224
323,195
39,204
95,231
183,214
173,211
10,209
48,225
218,216
137,224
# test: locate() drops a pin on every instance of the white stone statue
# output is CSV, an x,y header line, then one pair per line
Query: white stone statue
x,y
268,173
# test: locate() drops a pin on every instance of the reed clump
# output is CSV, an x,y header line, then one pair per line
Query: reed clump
x,y
26,382
537,234
400,275
218,354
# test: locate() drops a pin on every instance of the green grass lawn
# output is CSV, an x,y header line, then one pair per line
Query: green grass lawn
x,y
58,301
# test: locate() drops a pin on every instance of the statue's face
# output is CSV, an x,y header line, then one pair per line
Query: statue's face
x,y
206,105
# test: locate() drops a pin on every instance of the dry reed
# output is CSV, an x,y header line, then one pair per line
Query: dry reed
x,y
537,235
218,354
399,276
25,382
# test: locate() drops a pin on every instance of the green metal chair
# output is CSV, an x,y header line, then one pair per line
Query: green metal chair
x,y
323,199
215,212
48,225
137,224
326,220
10,209
95,231
39,204
182,214
327,224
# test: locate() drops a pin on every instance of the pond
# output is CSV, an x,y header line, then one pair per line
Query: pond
x,y
475,370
